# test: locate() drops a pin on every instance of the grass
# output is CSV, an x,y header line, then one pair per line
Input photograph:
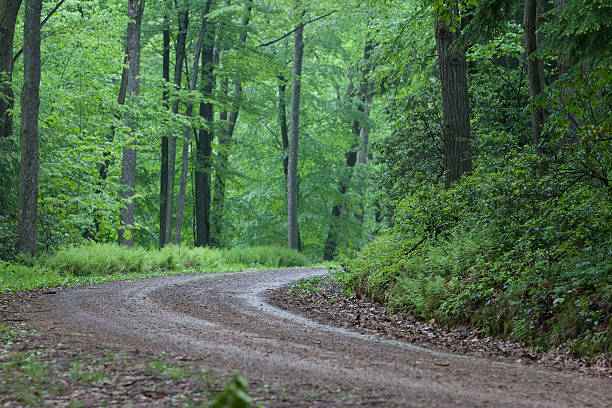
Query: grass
x,y
107,262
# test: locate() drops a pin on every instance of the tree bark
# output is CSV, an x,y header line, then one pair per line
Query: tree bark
x,y
8,18
181,40
292,175
225,139
331,243
364,131
533,72
128,163
204,144
282,121
30,103
564,63
455,102
163,182
352,156
185,161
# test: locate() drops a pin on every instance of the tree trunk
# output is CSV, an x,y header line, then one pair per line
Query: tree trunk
x,y
225,139
181,40
30,102
455,102
204,145
163,182
8,10
292,176
185,162
564,63
364,131
128,163
533,72
331,242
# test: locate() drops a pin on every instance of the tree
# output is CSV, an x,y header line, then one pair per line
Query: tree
x,y
128,166
455,103
181,41
225,136
30,102
8,11
163,173
534,70
185,160
294,129
204,142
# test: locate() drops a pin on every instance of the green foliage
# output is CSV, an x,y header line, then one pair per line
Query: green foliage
x,y
521,246
508,259
234,395
101,262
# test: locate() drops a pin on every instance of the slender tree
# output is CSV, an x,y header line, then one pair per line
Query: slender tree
x,y
163,182
30,102
351,157
186,139
179,60
455,103
225,138
128,164
8,18
366,96
294,128
204,143
533,71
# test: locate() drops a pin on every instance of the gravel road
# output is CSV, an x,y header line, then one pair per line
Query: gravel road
x,y
223,322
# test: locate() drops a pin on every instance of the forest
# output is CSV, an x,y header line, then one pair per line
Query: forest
x,y
454,157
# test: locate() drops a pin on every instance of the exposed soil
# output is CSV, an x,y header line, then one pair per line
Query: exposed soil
x,y
224,323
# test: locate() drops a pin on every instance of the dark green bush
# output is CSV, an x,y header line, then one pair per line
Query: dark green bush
x,y
503,250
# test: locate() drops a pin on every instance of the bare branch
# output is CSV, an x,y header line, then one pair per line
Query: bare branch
x,y
297,28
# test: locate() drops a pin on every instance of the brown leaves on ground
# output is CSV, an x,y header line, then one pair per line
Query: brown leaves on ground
x,y
325,302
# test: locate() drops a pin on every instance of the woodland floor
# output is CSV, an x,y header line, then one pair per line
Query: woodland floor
x,y
172,341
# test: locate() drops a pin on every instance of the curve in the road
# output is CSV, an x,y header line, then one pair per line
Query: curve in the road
x,y
224,321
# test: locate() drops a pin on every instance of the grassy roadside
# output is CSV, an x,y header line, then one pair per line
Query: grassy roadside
x,y
47,369
97,263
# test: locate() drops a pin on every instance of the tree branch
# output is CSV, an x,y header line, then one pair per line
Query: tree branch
x,y
297,28
57,6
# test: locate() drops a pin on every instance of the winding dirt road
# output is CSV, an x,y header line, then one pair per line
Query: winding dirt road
x,y
223,322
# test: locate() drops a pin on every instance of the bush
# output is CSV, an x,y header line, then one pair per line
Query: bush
x,y
505,251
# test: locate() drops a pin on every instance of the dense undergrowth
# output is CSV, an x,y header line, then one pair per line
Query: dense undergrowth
x,y
101,262
512,254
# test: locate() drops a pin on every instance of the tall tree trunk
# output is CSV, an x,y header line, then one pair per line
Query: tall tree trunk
x,y
163,182
351,156
185,161
533,72
455,102
204,144
181,40
225,139
128,163
331,243
284,128
366,95
30,102
564,62
292,175
282,121
8,18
